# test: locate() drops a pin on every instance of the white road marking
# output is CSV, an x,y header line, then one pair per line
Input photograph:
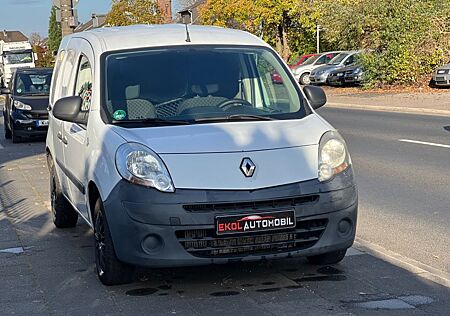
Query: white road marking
x,y
1,147
423,143
17,250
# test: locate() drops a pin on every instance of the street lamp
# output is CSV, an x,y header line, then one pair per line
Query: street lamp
x,y
319,28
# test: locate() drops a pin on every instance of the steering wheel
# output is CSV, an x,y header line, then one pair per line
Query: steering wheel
x,y
228,103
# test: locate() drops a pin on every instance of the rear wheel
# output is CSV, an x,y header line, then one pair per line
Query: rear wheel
x,y
304,79
328,258
110,270
63,214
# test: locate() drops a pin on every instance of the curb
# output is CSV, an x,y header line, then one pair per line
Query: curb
x,y
411,265
389,109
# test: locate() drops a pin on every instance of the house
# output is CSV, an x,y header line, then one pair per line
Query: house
x,y
12,36
96,21
191,14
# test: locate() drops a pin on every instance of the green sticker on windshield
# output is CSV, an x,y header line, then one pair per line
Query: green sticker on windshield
x,y
119,115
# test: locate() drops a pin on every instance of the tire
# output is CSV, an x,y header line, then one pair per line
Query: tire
x,y
328,258
8,134
63,214
15,139
304,79
432,84
110,270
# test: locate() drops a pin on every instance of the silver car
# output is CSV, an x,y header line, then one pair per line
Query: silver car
x,y
441,76
344,59
303,71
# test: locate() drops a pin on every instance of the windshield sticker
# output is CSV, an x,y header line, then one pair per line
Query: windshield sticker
x,y
119,115
19,90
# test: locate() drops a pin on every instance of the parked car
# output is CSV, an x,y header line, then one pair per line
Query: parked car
x,y
276,78
303,71
354,75
441,76
350,75
300,60
25,111
320,74
203,162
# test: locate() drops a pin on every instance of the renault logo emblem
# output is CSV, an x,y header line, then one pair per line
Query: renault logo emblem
x,y
248,167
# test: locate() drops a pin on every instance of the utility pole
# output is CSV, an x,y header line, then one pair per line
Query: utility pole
x,y
67,17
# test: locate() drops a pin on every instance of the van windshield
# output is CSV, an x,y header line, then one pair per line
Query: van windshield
x,y
197,85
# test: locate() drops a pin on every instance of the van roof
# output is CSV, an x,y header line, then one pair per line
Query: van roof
x,y
140,36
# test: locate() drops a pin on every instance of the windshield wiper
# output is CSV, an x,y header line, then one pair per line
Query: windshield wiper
x,y
36,94
155,121
235,117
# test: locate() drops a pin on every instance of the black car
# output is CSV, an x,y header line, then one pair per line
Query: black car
x,y
25,112
350,75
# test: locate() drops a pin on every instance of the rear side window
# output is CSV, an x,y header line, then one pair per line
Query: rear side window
x,y
83,87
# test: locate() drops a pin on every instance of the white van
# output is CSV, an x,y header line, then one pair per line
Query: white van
x,y
176,147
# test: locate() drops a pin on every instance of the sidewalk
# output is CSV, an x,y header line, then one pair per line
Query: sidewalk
x,y
46,271
436,103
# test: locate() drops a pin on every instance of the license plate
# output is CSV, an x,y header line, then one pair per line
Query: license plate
x,y
248,223
42,123
347,79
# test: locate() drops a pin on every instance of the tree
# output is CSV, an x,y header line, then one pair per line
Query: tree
x,y
285,24
54,32
128,12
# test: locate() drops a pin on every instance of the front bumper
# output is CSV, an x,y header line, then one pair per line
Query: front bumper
x,y
155,229
442,80
318,79
26,124
335,80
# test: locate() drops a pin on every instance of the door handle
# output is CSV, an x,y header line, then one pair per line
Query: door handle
x,y
64,140
59,135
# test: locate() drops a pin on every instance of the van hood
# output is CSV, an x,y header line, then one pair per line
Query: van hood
x,y
227,137
211,156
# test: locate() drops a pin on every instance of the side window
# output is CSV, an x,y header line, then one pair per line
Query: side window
x,y
349,60
83,86
322,60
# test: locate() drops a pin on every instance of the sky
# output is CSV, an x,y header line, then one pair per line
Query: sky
x,y
30,16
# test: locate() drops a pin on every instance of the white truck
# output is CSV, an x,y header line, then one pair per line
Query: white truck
x,y
15,52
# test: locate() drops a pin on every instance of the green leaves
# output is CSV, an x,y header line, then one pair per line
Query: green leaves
x,y
54,32
128,12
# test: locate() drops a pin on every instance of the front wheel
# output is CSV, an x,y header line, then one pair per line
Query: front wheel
x,y
328,258
304,79
110,270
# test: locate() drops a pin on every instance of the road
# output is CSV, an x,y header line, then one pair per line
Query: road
x,y
46,271
404,187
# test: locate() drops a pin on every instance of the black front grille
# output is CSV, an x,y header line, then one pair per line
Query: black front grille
x,y
37,115
205,244
253,205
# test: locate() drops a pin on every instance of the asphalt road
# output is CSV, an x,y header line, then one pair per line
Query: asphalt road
x,y
404,187
49,271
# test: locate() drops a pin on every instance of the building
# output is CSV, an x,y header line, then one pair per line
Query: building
x,y
165,6
96,21
12,36
190,14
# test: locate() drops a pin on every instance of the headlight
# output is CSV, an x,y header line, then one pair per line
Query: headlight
x,y
333,156
21,106
140,165
357,70
340,74
320,72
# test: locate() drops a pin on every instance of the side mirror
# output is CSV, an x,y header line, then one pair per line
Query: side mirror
x,y
69,109
316,96
5,91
